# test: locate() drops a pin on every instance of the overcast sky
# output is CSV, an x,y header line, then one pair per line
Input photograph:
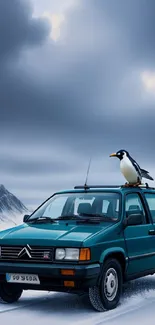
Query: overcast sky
x,y
77,79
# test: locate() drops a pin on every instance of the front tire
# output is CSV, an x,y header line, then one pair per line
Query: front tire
x,y
9,293
107,294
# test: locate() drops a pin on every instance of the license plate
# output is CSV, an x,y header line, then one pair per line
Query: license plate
x,y
22,278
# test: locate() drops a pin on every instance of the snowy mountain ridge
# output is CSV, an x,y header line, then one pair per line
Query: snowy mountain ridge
x,y
11,208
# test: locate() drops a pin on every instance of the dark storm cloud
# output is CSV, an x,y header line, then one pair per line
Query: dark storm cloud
x,y
79,99
17,28
83,97
65,104
18,32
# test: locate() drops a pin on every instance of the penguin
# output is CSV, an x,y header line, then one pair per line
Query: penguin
x,y
130,168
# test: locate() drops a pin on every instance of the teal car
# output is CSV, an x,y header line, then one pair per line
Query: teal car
x,y
90,239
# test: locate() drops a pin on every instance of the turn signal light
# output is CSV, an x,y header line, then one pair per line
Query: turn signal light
x,y
69,283
67,272
84,254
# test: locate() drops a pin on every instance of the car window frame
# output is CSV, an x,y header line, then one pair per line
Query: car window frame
x,y
153,193
91,192
147,219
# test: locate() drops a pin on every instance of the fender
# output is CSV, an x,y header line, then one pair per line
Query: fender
x,y
109,251
112,250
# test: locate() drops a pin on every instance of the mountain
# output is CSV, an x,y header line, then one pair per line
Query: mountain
x,y
11,208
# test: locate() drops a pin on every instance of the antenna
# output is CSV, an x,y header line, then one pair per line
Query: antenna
x,y
85,185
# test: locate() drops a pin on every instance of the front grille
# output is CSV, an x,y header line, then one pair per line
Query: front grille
x,y
27,253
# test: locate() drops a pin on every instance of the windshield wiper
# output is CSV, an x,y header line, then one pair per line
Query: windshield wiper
x,y
87,217
97,216
79,218
42,219
68,217
82,217
52,220
88,220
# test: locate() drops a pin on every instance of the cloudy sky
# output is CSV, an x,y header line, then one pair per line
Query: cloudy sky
x,y
77,79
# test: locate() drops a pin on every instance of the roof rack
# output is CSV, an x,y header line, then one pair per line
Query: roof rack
x,y
95,186
146,185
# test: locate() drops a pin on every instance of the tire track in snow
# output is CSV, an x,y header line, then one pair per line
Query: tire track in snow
x,y
28,301
126,307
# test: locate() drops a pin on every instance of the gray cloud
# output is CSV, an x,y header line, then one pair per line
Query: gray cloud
x,y
31,167
135,20
62,103
17,28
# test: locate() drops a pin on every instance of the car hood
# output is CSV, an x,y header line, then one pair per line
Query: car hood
x,y
60,234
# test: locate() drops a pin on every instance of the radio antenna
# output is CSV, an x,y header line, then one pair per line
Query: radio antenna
x,y
85,185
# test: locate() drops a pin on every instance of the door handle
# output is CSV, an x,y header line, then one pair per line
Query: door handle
x,y
152,232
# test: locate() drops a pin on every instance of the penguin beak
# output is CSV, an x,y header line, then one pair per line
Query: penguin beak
x,y
113,155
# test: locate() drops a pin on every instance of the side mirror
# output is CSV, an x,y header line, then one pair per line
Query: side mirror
x,y
133,220
25,218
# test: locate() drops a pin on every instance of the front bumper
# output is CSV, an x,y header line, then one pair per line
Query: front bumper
x,y
50,275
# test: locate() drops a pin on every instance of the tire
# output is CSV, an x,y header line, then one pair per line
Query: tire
x,y
9,293
106,296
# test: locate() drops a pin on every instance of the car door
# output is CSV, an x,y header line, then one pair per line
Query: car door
x,y
140,239
150,199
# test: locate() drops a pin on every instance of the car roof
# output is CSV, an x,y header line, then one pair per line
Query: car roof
x,y
107,188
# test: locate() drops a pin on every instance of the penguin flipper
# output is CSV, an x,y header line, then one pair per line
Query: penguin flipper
x,y
145,174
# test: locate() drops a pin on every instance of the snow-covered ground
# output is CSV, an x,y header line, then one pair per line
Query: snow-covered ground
x,y
11,220
137,306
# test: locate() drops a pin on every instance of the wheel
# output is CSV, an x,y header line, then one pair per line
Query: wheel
x,y
9,293
107,294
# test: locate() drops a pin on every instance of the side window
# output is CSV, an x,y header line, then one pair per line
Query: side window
x,y
150,198
134,204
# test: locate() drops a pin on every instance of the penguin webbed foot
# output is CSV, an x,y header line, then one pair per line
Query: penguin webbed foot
x,y
132,185
127,185
136,184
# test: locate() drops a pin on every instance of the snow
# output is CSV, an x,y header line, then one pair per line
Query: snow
x,y
136,306
11,222
11,219
12,209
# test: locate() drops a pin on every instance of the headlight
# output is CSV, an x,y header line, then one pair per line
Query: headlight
x,y
67,254
73,254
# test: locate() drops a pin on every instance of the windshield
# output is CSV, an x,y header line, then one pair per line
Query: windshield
x,y
103,204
